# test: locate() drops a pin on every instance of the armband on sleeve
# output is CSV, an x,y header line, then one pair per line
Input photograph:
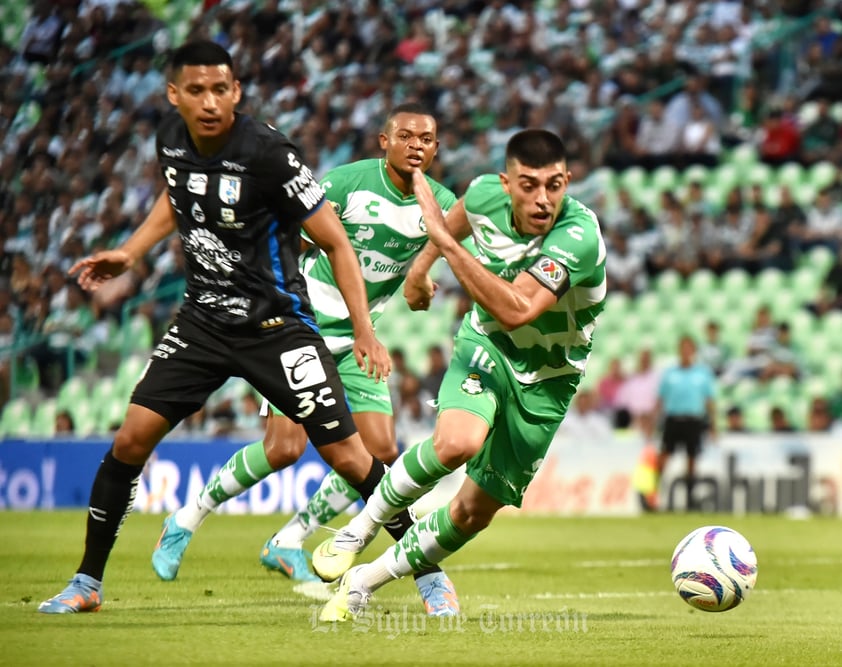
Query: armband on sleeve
x,y
551,274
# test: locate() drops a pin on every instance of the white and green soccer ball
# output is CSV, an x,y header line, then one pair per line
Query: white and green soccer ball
x,y
714,568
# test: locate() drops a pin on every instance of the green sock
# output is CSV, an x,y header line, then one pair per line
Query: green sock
x,y
427,543
243,470
414,473
333,497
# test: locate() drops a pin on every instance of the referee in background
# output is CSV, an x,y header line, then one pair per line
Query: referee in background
x,y
686,404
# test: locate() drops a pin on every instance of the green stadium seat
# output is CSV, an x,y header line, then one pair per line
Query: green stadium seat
x,y
606,178
805,283
759,174
128,373
72,391
822,174
803,326
110,413
665,178
668,282
805,194
743,155
702,281
791,175
44,418
820,259
633,179
696,173
756,413
84,418
726,177
136,335
717,305
770,281
16,419
735,282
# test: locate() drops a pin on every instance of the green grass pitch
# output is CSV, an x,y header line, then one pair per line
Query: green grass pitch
x,y
534,591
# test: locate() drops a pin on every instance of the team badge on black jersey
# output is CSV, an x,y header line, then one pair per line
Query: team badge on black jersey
x,y
229,189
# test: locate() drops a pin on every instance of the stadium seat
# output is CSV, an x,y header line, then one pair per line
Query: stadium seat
x,y
743,155
770,281
664,178
136,335
736,283
791,175
822,174
756,413
128,373
759,174
44,418
73,390
84,417
16,419
726,177
805,283
633,179
820,258
696,173
803,326
702,282
110,413
668,282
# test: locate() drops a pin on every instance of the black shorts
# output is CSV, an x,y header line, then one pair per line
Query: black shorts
x,y
683,430
292,368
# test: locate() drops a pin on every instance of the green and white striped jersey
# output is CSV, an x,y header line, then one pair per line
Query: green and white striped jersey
x,y
387,232
558,341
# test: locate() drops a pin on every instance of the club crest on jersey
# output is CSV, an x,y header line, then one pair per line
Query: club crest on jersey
x,y
472,384
229,188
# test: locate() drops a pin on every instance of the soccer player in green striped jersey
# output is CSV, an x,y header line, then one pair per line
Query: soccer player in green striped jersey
x,y
374,200
538,284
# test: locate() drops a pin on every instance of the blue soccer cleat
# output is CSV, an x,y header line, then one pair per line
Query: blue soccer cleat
x,y
438,594
166,559
294,563
83,593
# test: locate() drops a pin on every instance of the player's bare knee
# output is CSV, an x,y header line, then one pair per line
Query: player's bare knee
x,y
469,516
131,447
453,449
384,450
283,451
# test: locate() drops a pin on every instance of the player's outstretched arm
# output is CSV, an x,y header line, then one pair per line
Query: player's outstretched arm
x,y
329,234
106,264
511,304
419,289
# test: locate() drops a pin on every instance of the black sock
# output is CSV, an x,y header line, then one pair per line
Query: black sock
x,y
398,524
112,497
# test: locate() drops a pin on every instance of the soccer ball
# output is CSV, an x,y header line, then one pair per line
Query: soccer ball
x,y
714,568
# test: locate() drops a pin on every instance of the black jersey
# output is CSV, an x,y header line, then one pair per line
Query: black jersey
x,y
239,216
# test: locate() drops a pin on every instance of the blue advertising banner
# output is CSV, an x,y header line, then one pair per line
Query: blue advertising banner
x,y
58,474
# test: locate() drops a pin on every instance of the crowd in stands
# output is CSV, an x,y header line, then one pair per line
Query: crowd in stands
x,y
628,85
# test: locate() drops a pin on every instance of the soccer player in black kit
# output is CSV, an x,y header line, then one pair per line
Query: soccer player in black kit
x,y
241,195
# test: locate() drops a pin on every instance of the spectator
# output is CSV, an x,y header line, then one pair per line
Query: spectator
x,y
734,420
822,138
779,421
609,386
700,142
64,424
658,140
819,416
780,140
712,351
639,394
782,359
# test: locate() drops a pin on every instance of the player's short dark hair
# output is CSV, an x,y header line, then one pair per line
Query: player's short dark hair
x,y
408,107
535,148
199,52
